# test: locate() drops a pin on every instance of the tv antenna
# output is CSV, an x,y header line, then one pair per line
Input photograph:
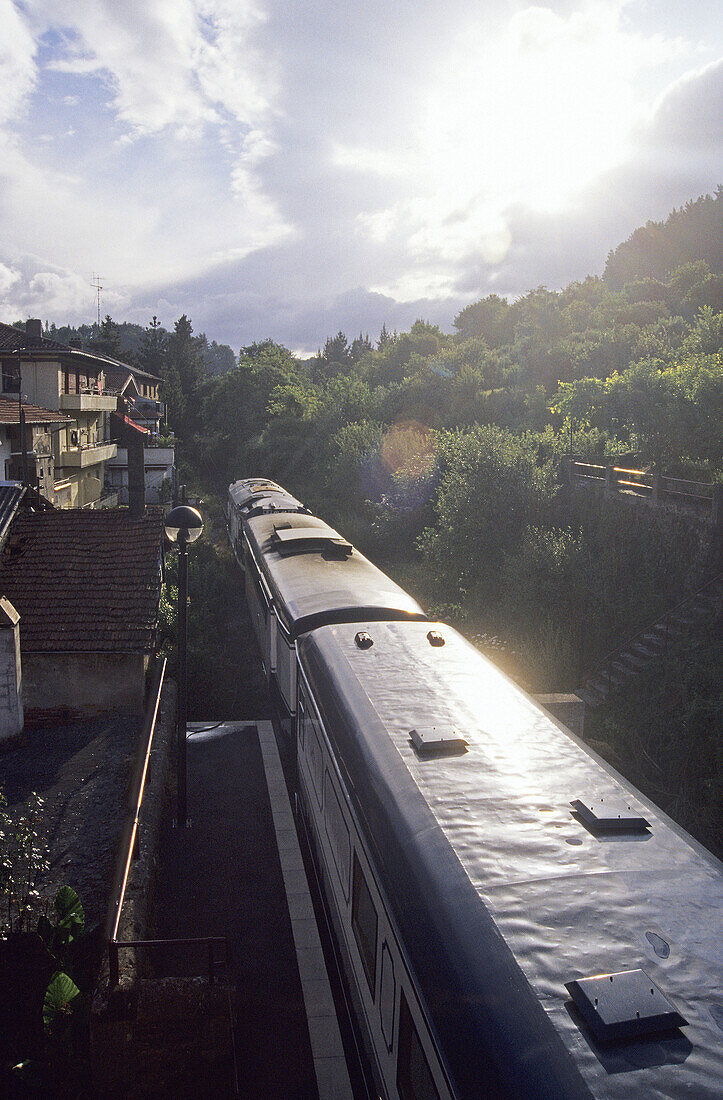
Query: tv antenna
x,y
98,286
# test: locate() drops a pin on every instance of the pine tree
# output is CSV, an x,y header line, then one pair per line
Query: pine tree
x,y
154,348
108,339
184,363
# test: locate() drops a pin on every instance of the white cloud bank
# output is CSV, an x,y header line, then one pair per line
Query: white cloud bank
x,y
284,170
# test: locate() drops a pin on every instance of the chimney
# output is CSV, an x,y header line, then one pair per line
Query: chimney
x,y
136,478
34,328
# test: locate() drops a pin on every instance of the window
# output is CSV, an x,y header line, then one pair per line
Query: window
x,y
301,718
414,1077
11,377
338,833
316,761
387,992
364,922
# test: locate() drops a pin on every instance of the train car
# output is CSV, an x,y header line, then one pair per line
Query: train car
x,y
302,574
517,920
253,496
514,919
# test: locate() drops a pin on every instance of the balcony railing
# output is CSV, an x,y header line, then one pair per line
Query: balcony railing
x,y
88,454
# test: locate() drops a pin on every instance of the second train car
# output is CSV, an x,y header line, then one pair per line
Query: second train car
x,y
515,919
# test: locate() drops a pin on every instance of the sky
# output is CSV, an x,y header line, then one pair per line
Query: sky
x,y
292,169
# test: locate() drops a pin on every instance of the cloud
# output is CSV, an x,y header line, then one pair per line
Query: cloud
x,y
177,65
17,62
8,278
689,116
287,170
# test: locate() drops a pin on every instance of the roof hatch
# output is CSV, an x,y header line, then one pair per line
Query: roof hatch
x,y
432,741
624,1005
306,540
609,814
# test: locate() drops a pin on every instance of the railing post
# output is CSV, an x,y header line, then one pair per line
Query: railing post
x,y
657,487
113,968
610,479
717,518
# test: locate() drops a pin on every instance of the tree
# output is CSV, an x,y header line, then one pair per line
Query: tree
x,y
154,347
108,340
183,361
359,347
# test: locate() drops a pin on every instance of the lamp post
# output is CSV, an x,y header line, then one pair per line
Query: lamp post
x,y
183,525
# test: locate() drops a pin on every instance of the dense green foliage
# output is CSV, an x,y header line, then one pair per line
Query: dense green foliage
x,y
437,453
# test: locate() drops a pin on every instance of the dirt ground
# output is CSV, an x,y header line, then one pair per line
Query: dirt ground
x,y
81,769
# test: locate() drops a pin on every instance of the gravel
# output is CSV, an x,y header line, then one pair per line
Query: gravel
x,y
81,769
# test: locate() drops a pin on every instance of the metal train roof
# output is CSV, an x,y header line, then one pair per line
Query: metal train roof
x,y
257,495
324,578
485,842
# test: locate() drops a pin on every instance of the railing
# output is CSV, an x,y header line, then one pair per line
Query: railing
x,y
656,487
129,852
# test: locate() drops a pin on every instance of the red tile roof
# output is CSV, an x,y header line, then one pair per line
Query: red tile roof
x,y
34,414
84,581
16,342
16,339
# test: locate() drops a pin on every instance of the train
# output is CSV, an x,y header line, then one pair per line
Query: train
x,y
513,917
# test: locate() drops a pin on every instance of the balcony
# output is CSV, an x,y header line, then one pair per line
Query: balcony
x,y
88,455
91,402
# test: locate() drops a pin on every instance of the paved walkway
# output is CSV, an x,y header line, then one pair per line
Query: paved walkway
x,y
237,872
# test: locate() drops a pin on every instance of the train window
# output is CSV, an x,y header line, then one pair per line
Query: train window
x,y
301,719
414,1077
338,833
364,921
316,761
387,991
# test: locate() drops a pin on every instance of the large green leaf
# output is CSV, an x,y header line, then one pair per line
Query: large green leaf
x,y
71,917
59,999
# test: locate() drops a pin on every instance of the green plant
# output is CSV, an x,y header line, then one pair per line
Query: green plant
x,y
23,862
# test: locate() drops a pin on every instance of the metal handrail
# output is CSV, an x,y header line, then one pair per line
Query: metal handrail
x,y
129,848
607,660
131,826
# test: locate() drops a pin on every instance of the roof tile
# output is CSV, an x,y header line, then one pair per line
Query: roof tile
x,y
84,581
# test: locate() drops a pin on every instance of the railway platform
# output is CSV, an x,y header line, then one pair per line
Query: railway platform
x,y
236,871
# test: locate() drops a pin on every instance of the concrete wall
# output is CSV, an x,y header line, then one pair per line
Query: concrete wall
x,y
11,682
41,383
83,683
5,450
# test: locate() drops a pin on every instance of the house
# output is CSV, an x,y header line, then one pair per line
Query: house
x,y
139,391
61,378
38,426
86,586
138,421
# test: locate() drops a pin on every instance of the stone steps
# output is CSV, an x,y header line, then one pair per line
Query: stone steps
x,y
637,655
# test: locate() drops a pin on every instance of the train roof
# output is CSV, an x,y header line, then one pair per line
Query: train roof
x,y
256,496
316,576
486,842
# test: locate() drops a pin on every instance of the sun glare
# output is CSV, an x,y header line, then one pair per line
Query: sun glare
x,y
534,114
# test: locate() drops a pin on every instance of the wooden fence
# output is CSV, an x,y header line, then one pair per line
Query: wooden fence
x,y
704,498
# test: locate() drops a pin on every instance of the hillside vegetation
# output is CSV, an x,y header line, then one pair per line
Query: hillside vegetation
x,y
437,454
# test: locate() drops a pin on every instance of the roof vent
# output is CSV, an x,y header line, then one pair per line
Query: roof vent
x,y
433,741
363,640
435,638
624,1005
305,540
609,815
